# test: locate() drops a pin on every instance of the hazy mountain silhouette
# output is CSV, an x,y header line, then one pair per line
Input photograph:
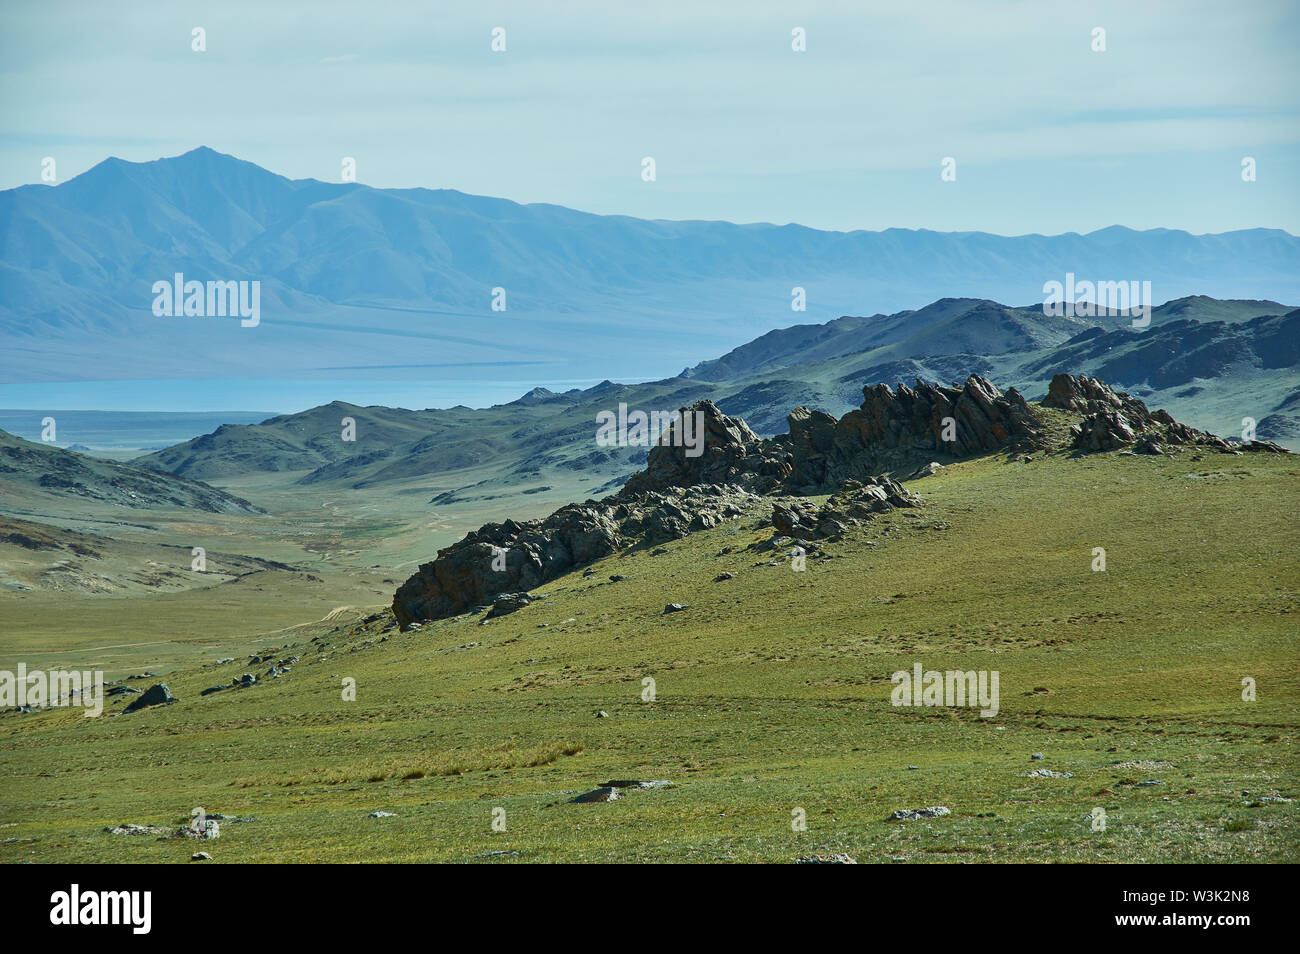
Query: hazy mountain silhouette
x,y
361,278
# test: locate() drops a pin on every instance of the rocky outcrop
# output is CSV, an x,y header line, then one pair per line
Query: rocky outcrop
x,y
500,562
1103,431
708,468
1114,420
731,453
507,557
1086,395
900,430
724,470
893,430
1267,446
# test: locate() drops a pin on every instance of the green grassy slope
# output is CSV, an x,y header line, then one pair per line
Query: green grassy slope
x,y
772,694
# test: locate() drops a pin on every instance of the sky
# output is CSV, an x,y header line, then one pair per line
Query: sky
x,y
1048,134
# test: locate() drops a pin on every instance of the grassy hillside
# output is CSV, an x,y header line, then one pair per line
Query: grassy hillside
x,y
772,694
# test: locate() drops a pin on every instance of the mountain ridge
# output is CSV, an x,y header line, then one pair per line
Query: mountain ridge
x,y
1210,373
346,268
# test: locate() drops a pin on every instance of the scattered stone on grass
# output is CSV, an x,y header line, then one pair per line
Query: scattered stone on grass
x,y
912,814
836,859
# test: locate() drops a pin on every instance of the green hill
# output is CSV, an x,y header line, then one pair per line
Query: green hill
x,y
772,697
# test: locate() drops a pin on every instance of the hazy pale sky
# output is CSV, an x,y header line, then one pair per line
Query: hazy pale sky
x,y
1048,135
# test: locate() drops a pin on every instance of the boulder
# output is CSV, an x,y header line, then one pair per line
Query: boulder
x,y
156,695
605,793
634,783
508,603
913,814
925,470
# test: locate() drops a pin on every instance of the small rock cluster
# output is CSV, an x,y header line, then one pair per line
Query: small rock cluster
x,y
239,682
855,503
839,858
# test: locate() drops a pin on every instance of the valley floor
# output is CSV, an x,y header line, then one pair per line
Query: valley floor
x,y
771,698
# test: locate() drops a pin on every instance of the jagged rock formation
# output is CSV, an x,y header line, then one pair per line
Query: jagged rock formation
x,y
892,430
731,452
730,471
906,428
1113,420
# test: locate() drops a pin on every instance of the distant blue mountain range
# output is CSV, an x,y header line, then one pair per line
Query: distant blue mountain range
x,y
370,283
